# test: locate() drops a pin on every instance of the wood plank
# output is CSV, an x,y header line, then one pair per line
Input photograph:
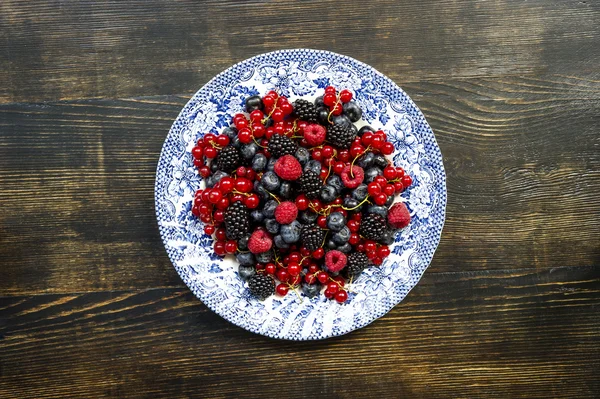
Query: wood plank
x,y
77,183
486,334
54,50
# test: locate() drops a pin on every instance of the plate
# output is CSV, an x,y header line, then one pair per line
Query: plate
x,y
301,73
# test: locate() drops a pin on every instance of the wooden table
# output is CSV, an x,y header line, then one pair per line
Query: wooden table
x,y
90,305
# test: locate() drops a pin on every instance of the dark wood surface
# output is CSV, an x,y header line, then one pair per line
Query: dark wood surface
x,y
90,305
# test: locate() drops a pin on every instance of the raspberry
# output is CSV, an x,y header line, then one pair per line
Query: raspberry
x,y
315,134
260,241
349,180
335,261
398,216
286,212
288,168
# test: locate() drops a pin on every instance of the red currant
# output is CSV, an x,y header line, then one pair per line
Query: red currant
x,y
389,189
341,296
209,229
268,101
257,115
343,155
373,189
230,247
220,234
387,148
353,225
252,201
367,138
406,181
383,251
241,123
370,246
377,261
330,89
322,277
301,202
337,109
282,275
219,216
282,289
338,167
382,181
316,155
222,140
398,187
295,280
322,222
295,257
318,253
270,268
278,115
332,286
214,196
345,96
354,239
226,184
310,278
389,172
294,269
210,152
380,199
258,130
245,136
329,99
197,152
399,172
219,248
286,108
243,185
223,203
209,138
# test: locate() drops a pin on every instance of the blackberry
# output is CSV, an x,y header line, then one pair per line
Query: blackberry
x,y
281,145
310,184
228,159
372,226
340,136
305,110
261,286
312,237
237,221
357,262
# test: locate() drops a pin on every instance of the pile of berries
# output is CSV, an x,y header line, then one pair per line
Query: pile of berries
x,y
300,196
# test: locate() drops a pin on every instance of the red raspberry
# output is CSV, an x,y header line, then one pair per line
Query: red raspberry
x,y
314,134
260,241
398,216
286,212
335,261
349,181
288,168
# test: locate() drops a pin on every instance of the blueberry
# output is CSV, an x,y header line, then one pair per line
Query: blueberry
x,y
342,120
246,272
389,201
346,248
303,155
365,129
291,232
245,258
336,182
264,257
260,190
236,142
243,243
323,116
311,290
271,164
342,236
314,166
331,244
336,221
371,174
360,192
319,102
216,177
354,129
269,209
380,161
351,203
353,111
213,167
254,103
259,162
270,181
272,226
380,210
307,217
248,151
327,194
280,243
366,160
388,237
230,132
285,190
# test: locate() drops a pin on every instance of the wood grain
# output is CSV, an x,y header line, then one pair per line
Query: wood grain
x,y
54,50
522,158
471,334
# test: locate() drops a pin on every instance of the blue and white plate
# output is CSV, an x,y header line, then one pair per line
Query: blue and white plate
x,y
301,73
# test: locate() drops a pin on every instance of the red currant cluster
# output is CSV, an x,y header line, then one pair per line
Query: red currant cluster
x,y
294,207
